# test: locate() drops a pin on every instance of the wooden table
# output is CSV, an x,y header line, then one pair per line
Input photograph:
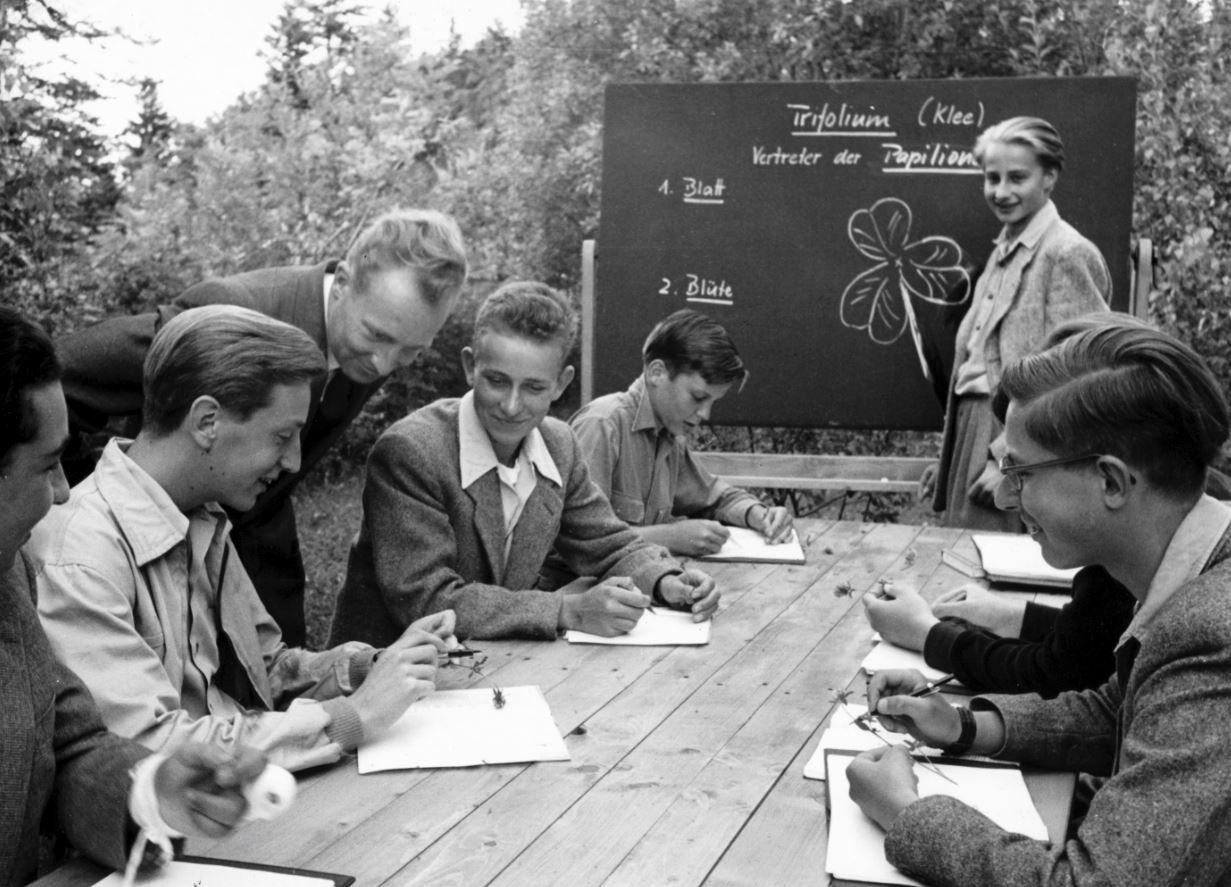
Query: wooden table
x,y
687,763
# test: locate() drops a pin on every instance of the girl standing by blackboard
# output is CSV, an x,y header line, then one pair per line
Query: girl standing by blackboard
x,y
1040,273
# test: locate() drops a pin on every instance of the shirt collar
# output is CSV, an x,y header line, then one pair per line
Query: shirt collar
x,y
149,520
477,457
644,419
1186,556
1041,221
330,360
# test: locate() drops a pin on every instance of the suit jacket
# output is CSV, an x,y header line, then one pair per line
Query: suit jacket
x,y
427,544
58,764
102,384
1158,728
1064,276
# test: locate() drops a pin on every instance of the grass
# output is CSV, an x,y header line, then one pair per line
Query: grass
x,y
328,510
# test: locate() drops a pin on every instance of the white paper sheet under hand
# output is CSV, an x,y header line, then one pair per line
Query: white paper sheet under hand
x,y
1013,557
856,847
196,874
656,628
462,728
748,545
885,656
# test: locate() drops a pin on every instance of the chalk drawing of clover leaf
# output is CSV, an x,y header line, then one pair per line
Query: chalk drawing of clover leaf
x,y
879,299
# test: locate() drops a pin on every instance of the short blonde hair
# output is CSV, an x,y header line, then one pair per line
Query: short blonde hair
x,y
235,355
423,240
1034,133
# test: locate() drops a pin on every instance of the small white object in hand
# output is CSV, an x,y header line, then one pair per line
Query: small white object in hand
x,y
270,794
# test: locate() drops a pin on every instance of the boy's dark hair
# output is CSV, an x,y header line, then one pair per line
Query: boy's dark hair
x,y
27,360
690,342
530,309
1128,390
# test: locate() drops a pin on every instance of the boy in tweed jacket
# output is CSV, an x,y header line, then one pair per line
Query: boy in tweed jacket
x,y
466,497
1109,435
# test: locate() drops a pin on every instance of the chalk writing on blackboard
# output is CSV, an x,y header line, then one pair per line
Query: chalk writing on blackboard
x,y
879,299
934,112
842,120
931,158
697,190
762,156
698,288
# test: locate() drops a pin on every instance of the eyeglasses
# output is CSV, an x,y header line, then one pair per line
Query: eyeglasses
x,y
1013,473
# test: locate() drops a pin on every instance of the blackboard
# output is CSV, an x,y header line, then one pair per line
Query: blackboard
x,y
766,205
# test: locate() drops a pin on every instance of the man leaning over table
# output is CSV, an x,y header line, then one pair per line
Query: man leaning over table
x,y
464,499
635,442
1108,436
368,315
139,587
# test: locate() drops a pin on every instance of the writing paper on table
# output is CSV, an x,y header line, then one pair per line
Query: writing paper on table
x,y
856,847
1014,557
656,628
197,872
744,544
464,728
885,656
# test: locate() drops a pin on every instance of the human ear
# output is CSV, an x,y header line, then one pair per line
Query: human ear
x,y
1117,478
468,365
564,380
202,421
656,372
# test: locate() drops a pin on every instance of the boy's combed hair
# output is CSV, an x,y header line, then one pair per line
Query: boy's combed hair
x,y
235,355
530,309
424,240
1125,389
1034,133
27,361
690,342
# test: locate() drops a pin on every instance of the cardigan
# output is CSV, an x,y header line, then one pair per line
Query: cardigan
x,y
428,544
57,758
1158,729
1063,276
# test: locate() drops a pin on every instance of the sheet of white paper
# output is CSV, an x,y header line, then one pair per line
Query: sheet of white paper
x,y
748,545
1014,557
197,874
463,728
856,848
656,628
884,656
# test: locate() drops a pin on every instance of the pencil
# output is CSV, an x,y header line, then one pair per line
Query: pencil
x,y
928,689
932,687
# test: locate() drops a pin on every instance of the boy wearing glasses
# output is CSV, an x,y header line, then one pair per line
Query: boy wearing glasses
x,y
1004,646
636,445
1110,435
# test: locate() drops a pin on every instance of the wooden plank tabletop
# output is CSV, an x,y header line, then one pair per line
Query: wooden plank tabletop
x,y
686,762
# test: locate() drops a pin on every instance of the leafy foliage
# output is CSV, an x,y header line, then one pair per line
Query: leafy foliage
x,y
506,135
58,184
